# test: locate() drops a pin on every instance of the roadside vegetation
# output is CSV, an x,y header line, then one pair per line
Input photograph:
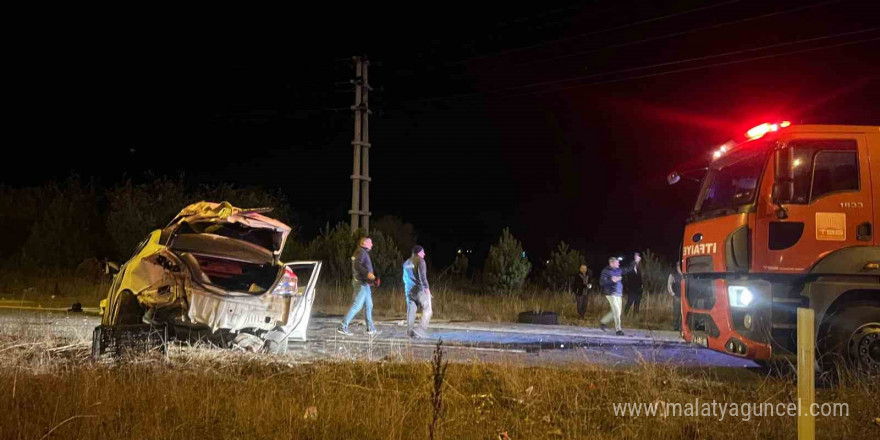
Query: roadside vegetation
x,y
52,390
55,240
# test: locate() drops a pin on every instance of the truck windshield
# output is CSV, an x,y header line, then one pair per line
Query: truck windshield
x,y
732,181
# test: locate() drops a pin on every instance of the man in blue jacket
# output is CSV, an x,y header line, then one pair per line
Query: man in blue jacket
x,y
610,281
418,293
362,275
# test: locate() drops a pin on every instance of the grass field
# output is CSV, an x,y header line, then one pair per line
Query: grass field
x,y
51,390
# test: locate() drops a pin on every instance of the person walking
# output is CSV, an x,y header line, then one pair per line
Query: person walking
x,y
362,277
632,285
418,293
579,287
673,287
610,281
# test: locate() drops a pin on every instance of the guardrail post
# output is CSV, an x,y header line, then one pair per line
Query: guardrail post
x,y
806,361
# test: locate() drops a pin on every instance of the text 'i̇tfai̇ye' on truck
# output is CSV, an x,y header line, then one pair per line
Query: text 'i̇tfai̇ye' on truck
x,y
784,220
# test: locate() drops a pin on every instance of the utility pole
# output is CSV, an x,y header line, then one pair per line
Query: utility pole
x,y
360,177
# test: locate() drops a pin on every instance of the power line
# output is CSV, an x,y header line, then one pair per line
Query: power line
x,y
688,60
588,34
633,69
677,34
689,69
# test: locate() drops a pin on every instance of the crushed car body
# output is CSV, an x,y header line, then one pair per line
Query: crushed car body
x,y
214,273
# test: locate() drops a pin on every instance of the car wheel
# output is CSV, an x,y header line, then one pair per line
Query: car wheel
x,y
127,310
851,338
276,342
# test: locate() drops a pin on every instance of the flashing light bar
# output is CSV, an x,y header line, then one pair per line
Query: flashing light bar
x,y
755,132
760,130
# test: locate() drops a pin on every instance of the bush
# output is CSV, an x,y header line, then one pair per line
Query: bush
x,y
136,210
19,209
387,259
507,267
655,272
563,264
334,247
401,233
66,229
459,267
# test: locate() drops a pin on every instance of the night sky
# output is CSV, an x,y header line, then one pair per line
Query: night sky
x,y
559,120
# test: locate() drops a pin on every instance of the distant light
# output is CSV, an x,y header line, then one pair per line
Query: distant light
x,y
459,251
717,154
784,124
619,258
548,262
797,162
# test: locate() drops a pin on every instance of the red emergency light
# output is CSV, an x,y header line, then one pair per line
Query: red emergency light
x,y
760,130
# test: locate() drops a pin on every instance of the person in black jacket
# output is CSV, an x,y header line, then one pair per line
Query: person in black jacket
x,y
673,287
580,285
632,285
418,293
362,276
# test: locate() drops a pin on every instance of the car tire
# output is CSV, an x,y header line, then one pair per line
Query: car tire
x,y
850,338
275,342
127,310
542,318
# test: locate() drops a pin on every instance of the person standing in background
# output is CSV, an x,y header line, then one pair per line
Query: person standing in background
x,y
418,293
580,285
632,285
673,287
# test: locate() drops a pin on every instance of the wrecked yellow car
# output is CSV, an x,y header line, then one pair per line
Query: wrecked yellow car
x,y
213,274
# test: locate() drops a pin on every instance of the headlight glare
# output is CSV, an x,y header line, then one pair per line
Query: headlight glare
x,y
739,296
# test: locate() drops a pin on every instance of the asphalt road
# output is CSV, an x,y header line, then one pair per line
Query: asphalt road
x,y
462,341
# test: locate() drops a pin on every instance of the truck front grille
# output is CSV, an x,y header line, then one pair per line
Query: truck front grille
x,y
700,293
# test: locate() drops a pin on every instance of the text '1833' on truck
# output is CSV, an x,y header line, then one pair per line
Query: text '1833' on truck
x,y
214,274
785,220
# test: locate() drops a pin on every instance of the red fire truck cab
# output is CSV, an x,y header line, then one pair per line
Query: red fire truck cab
x,y
786,220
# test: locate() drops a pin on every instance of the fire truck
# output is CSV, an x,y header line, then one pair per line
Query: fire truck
x,y
785,219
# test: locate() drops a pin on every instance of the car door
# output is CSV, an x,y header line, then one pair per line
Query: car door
x,y
300,306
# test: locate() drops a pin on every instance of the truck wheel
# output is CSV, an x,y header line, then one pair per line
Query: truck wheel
x,y
852,338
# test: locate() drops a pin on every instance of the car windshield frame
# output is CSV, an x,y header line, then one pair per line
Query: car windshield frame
x,y
734,165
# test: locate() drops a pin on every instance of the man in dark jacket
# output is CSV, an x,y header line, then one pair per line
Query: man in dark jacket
x,y
580,285
673,287
418,293
632,285
610,281
362,276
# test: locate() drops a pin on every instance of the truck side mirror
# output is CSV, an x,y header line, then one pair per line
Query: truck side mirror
x,y
783,187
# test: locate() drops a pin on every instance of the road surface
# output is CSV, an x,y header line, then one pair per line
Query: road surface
x,y
463,341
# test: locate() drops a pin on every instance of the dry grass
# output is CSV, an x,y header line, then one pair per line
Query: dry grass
x,y
49,386
51,288
454,304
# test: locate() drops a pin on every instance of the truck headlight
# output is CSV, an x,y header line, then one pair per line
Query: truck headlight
x,y
739,296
